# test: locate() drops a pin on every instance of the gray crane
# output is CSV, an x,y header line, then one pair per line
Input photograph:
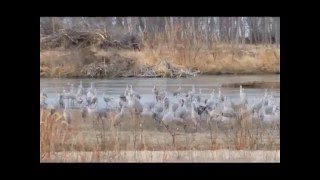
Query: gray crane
x,y
67,114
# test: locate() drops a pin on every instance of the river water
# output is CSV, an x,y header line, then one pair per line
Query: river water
x,y
115,87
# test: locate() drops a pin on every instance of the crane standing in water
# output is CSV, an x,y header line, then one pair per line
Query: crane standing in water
x,y
186,107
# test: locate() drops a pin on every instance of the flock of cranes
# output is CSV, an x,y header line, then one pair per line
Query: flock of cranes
x,y
186,106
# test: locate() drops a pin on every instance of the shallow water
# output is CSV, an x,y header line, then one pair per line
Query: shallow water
x,y
115,87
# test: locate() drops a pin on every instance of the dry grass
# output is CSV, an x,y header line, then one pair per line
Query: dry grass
x,y
222,58
146,140
168,156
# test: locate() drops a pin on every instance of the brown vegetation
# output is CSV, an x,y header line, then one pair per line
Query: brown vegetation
x,y
95,55
57,138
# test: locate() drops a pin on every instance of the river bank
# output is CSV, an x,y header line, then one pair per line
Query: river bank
x,y
99,57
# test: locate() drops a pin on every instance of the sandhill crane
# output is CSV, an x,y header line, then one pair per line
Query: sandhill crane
x,y
255,115
270,118
227,114
221,97
238,106
61,101
122,101
271,99
265,93
276,109
181,111
212,95
80,99
71,89
214,113
166,103
134,93
257,106
94,98
43,93
159,107
84,112
195,117
158,110
131,89
158,115
224,119
267,109
107,99
134,104
271,96
198,106
70,97
169,117
200,91
118,118
80,90
228,111
126,91
189,97
177,92
94,112
91,89
243,95
212,101
161,96
149,105
43,97
147,113
67,114
175,106
155,90
198,98
43,104
52,109
265,98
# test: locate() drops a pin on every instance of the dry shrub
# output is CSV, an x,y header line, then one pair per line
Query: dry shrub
x,y
53,133
222,58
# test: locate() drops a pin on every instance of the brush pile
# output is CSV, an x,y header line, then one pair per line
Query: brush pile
x,y
120,66
165,69
114,66
67,38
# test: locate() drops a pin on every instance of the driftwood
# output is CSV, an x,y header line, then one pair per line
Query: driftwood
x,y
165,69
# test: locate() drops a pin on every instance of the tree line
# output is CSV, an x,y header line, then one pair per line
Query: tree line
x,y
239,30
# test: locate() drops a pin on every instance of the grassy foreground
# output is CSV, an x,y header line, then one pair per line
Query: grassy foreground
x,y
144,140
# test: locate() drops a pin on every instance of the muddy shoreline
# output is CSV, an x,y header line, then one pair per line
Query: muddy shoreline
x,y
254,84
250,84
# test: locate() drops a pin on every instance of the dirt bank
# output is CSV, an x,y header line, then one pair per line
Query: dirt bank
x,y
95,54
